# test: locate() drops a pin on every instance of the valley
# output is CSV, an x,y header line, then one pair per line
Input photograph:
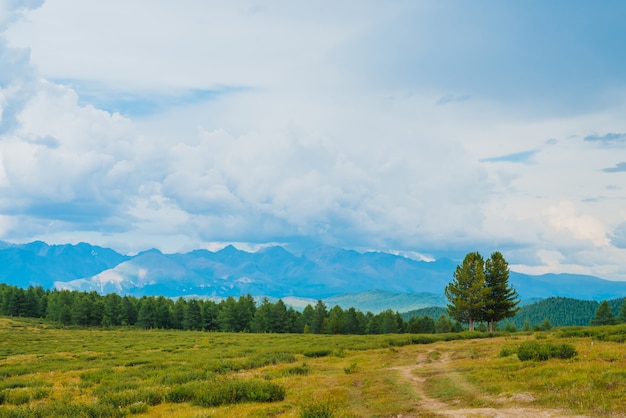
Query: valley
x,y
48,370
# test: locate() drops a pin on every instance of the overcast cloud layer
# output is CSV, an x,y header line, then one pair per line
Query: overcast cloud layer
x,y
425,128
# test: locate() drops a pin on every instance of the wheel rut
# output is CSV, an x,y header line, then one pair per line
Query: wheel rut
x,y
427,406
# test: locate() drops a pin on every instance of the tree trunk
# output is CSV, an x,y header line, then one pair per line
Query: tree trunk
x,y
470,322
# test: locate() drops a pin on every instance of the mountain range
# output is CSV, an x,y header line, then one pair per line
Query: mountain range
x,y
338,276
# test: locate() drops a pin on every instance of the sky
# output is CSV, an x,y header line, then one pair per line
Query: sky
x,y
423,128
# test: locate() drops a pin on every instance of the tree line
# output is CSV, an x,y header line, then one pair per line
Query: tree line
x,y
242,314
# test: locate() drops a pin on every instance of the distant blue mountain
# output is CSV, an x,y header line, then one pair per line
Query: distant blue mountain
x,y
38,263
319,273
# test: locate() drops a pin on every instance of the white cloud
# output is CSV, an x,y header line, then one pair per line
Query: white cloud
x,y
299,123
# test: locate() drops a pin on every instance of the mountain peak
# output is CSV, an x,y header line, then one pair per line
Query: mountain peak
x,y
273,271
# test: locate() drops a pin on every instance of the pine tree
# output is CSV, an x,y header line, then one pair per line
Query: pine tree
x,y
320,312
604,315
147,316
443,324
622,312
280,320
262,317
335,317
502,299
467,293
192,318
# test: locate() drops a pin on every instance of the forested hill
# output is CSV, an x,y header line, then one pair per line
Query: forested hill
x,y
562,311
559,311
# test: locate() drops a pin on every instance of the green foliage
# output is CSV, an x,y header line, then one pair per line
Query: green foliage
x,y
443,324
72,308
507,351
301,370
614,333
534,350
480,291
317,353
604,315
229,391
622,312
319,409
467,293
502,300
560,311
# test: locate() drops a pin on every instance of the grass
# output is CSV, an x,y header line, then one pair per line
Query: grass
x,y
50,371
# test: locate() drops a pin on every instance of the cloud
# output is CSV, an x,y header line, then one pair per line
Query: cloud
x,y
12,10
606,139
523,157
618,237
619,168
452,98
181,126
141,103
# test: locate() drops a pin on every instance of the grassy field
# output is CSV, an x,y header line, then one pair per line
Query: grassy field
x,y
49,371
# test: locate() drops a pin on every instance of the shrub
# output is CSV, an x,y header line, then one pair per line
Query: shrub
x,y
319,409
302,370
18,396
507,351
265,359
149,396
533,350
423,339
184,393
563,351
138,408
317,353
229,391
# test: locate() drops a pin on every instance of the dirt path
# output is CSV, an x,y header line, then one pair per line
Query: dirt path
x,y
431,407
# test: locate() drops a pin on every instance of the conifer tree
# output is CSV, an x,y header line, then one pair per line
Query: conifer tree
x,y
622,312
502,299
467,293
604,315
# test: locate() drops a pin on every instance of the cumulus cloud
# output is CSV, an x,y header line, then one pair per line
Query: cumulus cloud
x,y
619,168
618,237
290,124
12,10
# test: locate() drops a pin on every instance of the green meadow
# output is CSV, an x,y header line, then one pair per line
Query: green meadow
x,y
47,370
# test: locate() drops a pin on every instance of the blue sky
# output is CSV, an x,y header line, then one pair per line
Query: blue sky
x,y
427,128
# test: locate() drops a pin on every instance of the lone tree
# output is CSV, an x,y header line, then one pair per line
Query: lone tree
x,y
467,293
604,315
480,291
502,299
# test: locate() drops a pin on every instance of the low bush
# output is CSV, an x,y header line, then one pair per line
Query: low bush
x,y
317,353
507,351
184,393
319,409
64,410
302,370
229,391
149,396
265,359
18,396
534,350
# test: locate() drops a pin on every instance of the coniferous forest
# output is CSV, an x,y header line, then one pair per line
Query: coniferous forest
x,y
228,315
244,314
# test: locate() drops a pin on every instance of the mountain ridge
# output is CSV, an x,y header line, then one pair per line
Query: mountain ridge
x,y
318,273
